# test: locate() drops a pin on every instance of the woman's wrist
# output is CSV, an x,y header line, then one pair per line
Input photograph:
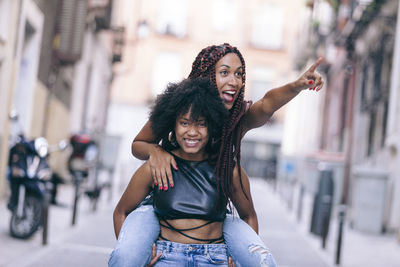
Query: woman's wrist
x,y
155,148
295,87
143,150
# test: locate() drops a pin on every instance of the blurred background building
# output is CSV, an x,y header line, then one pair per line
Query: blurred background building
x,y
356,129
56,69
69,66
164,37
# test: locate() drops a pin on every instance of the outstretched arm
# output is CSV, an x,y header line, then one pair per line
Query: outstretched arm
x,y
144,147
263,109
137,189
243,205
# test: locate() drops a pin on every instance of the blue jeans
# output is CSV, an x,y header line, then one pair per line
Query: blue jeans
x,y
244,245
141,229
138,233
202,255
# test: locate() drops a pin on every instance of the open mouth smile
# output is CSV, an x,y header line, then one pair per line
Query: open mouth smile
x,y
228,95
191,142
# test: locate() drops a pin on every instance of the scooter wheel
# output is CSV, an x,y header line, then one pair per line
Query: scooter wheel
x,y
26,225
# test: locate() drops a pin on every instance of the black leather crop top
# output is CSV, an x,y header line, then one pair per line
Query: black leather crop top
x,y
194,195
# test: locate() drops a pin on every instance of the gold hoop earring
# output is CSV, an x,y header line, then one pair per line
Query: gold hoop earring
x,y
172,139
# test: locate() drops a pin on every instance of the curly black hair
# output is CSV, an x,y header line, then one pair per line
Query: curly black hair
x,y
201,98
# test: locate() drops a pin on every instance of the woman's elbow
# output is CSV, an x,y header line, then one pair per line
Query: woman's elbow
x,y
252,221
119,212
133,148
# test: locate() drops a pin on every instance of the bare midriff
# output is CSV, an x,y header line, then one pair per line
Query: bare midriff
x,y
209,231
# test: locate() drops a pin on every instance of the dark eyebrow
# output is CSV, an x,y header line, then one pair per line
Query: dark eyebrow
x,y
223,65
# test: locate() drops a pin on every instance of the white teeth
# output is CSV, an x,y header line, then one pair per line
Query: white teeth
x,y
192,141
230,92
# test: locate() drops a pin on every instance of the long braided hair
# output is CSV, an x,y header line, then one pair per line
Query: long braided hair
x,y
229,153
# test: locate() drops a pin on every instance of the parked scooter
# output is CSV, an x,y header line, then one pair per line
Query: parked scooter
x,y
81,163
31,185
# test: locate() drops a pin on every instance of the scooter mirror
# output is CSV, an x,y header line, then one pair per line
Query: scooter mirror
x,y
13,115
63,144
41,147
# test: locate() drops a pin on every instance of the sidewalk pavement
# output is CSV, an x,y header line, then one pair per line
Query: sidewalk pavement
x,y
88,243
358,248
91,240
281,235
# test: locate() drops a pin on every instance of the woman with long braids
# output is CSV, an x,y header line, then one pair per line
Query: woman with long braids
x,y
225,67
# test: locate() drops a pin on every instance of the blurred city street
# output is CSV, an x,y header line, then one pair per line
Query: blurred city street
x,y
79,77
90,242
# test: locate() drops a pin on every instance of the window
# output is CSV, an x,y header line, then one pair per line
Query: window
x,y
386,73
261,81
268,27
3,102
364,78
384,122
98,3
371,133
259,89
172,19
223,14
324,14
4,6
375,92
167,68
343,112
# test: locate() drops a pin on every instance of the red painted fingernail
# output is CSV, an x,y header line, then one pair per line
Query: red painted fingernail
x,y
171,185
165,188
160,187
310,82
155,183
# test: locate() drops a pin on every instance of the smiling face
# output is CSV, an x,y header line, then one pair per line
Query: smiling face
x,y
228,78
192,137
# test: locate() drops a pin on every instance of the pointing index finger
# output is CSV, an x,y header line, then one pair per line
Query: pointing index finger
x,y
315,65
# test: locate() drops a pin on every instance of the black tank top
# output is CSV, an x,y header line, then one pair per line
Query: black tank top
x,y
194,195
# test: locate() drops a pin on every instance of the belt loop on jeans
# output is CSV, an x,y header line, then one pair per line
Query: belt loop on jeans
x,y
205,249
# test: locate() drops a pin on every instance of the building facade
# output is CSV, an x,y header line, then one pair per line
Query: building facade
x,y
21,33
59,60
359,113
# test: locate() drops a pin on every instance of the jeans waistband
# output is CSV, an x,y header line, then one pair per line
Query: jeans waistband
x,y
169,246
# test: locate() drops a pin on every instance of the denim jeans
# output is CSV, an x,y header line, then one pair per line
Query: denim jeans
x,y
244,245
138,233
201,255
141,229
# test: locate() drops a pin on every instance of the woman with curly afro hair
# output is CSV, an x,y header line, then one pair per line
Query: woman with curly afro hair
x,y
186,119
225,67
